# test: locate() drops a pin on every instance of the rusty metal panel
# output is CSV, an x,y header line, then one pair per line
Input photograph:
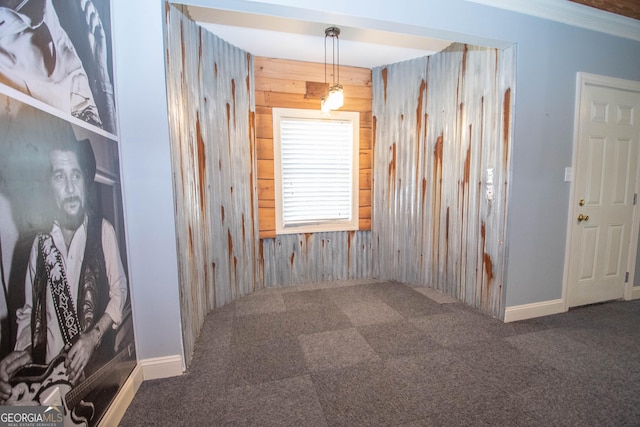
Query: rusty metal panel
x,y
440,123
212,127
292,259
442,127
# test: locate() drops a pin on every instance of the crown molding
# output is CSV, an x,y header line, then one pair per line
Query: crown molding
x,y
571,13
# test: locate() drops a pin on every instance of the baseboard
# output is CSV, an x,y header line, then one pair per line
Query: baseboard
x,y
162,367
635,293
147,369
536,309
123,399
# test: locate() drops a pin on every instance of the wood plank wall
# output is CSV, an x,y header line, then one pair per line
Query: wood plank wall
x,y
629,8
295,84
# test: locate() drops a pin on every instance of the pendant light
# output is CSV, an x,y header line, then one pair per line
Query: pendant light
x,y
334,98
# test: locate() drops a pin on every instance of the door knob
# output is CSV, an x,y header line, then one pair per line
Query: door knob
x,y
583,218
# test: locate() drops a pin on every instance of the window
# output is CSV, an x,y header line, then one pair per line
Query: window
x,y
316,170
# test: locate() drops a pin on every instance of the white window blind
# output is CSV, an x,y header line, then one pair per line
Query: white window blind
x,y
316,172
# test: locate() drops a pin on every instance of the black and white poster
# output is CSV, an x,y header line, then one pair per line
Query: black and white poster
x,y
66,336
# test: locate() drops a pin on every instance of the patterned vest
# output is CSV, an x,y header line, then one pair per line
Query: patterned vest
x,y
92,299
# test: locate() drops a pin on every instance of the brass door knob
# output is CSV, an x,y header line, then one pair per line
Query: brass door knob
x,y
583,218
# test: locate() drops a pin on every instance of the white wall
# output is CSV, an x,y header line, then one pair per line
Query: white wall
x,y
548,57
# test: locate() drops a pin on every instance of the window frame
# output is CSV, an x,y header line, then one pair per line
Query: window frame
x,y
321,226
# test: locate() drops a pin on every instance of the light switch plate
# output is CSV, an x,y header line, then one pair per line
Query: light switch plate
x,y
568,174
489,175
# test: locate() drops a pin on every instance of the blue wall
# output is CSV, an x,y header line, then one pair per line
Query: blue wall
x,y
548,56
146,175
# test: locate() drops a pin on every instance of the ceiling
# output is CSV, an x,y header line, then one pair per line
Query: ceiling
x,y
286,38
303,39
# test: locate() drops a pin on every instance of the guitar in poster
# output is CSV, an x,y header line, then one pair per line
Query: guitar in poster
x,y
48,385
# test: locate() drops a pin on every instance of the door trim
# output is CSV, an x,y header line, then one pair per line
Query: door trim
x,y
583,80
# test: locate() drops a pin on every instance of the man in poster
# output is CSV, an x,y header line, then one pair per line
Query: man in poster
x,y
76,288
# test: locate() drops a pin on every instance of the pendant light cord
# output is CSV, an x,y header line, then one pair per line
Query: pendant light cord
x,y
325,65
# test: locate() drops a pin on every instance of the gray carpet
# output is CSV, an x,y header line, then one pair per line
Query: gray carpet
x,y
386,354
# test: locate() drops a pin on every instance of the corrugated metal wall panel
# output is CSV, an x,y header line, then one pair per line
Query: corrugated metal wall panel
x,y
212,126
292,259
441,123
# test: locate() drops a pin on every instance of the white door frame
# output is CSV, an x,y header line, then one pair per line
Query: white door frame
x,y
583,79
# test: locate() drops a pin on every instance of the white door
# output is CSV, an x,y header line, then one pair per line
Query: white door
x,y
602,210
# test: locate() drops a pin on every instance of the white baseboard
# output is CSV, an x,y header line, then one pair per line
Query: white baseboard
x,y
162,367
536,309
635,293
147,369
123,399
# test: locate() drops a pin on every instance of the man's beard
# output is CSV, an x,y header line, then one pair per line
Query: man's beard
x,y
71,221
